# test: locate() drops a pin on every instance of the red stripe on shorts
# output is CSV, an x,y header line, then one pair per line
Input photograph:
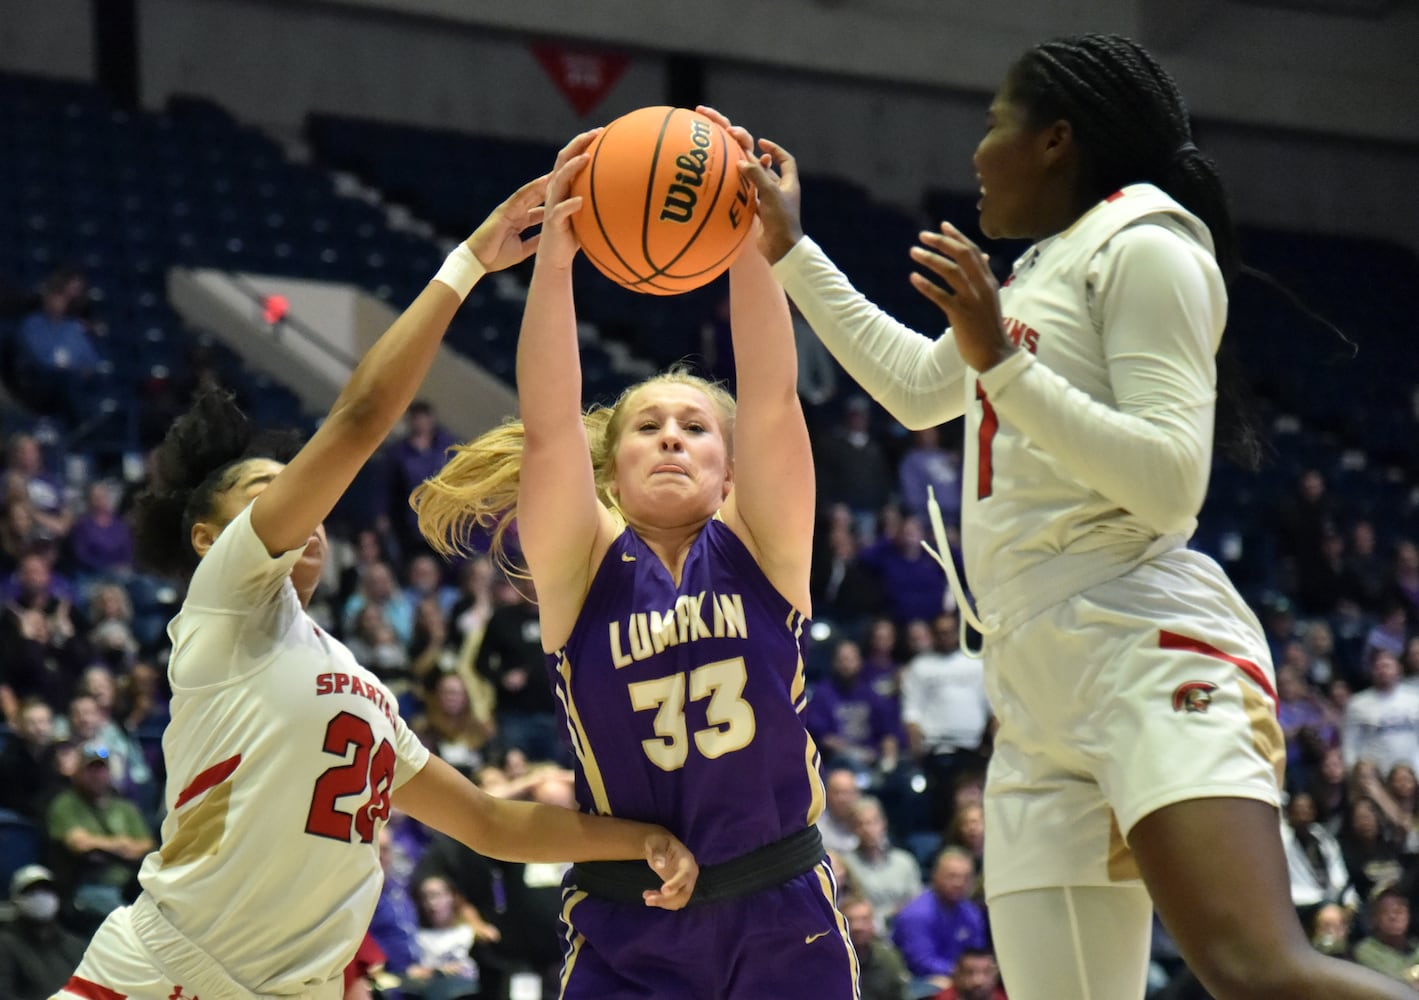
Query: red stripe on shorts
x,y
214,775
91,991
1171,640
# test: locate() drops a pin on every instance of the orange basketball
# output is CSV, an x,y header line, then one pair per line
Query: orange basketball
x,y
666,208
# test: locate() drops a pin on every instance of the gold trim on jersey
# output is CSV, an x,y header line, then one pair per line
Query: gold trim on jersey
x,y
828,884
199,829
1266,734
589,768
573,939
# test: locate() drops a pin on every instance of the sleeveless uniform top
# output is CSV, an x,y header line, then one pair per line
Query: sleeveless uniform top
x,y
684,704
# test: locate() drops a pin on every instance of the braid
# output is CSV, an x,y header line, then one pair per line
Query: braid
x,y
1131,124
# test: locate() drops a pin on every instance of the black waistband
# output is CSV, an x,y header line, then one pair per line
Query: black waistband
x,y
768,866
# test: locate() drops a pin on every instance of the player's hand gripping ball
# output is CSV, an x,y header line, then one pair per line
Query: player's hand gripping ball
x,y
665,208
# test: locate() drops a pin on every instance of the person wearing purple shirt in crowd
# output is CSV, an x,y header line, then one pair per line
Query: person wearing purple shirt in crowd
x,y
35,585
101,542
925,464
851,723
419,455
932,930
914,583
1308,727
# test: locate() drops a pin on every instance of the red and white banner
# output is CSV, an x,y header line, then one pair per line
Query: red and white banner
x,y
584,76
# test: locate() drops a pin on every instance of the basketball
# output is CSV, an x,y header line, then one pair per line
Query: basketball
x,y
665,207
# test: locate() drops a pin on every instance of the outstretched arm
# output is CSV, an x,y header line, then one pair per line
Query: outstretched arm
x,y
771,507
385,381
440,797
559,516
918,380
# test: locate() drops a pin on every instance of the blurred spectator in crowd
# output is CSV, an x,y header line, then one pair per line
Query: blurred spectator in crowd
x,y
946,714
1321,663
1388,635
451,727
364,550
851,466
1389,949
844,588
377,588
1302,520
928,464
1381,724
1371,855
516,777
967,831
836,822
1330,930
110,615
91,723
1409,662
100,543
887,876
29,766
37,953
817,371
880,661
419,454
395,924
20,531
1366,571
448,927
1404,582
511,658
468,618
849,721
100,837
1329,788
1308,723
426,580
1314,859
977,977
915,585
374,644
881,973
55,357
431,651
25,477
519,906
42,648
1322,584
934,929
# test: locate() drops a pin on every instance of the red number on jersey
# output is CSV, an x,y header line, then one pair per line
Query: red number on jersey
x,y
989,424
377,775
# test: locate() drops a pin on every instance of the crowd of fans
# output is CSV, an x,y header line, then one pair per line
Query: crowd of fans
x,y
900,715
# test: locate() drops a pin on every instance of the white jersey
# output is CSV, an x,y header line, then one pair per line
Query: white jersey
x,y
282,755
1082,465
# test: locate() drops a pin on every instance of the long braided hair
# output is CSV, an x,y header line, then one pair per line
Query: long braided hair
x,y
1131,125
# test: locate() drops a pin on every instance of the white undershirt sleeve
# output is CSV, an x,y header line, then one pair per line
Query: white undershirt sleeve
x,y
1161,308
920,381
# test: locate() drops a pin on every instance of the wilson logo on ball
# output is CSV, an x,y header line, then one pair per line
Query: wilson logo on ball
x,y
665,208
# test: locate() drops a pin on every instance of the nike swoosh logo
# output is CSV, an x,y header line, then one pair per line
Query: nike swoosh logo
x,y
626,557
813,937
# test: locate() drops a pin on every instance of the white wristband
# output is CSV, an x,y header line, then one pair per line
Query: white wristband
x,y
461,271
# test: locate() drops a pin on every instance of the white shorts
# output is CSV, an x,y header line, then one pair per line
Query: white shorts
x,y
137,955
1144,691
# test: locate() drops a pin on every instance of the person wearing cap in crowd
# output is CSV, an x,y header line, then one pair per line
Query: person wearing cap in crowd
x,y
36,951
1389,948
101,837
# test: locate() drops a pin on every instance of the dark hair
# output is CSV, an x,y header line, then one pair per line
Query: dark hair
x,y
191,468
1132,125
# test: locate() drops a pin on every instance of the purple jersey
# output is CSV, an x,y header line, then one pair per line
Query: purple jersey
x,y
684,704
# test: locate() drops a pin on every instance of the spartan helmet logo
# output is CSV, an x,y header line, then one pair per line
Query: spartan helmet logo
x,y
1194,696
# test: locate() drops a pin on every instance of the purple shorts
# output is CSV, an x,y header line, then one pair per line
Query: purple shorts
x,y
784,943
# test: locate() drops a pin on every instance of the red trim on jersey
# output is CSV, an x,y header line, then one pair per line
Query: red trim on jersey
x,y
91,991
1171,640
1115,196
214,775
